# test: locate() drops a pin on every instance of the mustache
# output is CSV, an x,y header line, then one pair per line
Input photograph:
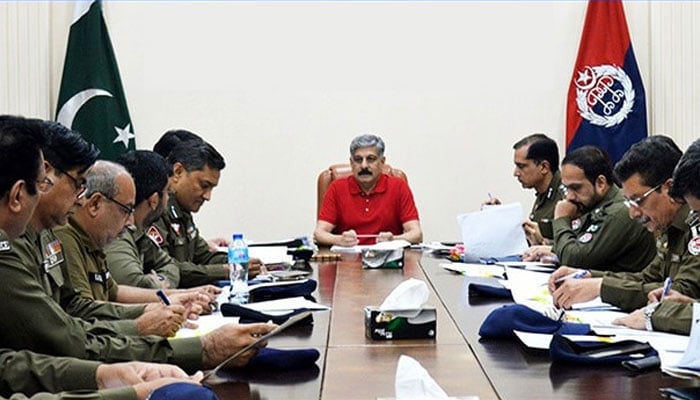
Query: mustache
x,y
642,220
364,171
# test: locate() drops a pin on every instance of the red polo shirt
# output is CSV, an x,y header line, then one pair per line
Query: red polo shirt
x,y
385,209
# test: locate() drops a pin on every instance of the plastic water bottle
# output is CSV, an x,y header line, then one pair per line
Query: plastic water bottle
x,y
238,264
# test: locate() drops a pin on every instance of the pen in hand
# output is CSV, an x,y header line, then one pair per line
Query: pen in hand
x,y
667,288
574,275
163,297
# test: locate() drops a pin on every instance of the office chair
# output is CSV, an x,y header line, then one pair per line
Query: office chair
x,y
337,171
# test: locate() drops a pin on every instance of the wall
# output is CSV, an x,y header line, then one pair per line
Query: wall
x,y
281,88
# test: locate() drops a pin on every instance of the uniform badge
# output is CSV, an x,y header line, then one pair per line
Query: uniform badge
x,y
192,232
4,245
593,228
575,224
154,234
586,237
694,246
176,228
53,254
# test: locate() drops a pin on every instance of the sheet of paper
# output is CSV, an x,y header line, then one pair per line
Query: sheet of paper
x,y
477,270
529,265
691,357
494,231
283,306
388,245
206,324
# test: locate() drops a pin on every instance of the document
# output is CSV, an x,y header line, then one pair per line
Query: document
x,y
284,306
494,232
476,270
291,321
388,245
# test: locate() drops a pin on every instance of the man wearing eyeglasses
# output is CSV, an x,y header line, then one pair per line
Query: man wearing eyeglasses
x,y
647,165
591,225
107,208
673,311
368,206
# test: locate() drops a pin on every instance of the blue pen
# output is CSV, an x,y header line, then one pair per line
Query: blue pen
x,y
163,297
667,288
574,275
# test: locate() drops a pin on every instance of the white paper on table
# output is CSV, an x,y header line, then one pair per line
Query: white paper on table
x,y
388,245
476,270
691,357
596,304
494,232
283,306
530,265
529,288
206,324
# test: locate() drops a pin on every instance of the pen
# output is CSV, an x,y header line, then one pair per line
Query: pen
x,y
490,197
163,297
667,288
367,236
574,275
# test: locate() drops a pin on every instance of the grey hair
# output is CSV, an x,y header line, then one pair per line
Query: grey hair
x,y
367,141
102,176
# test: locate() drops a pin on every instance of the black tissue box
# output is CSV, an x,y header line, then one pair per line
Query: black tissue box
x,y
400,324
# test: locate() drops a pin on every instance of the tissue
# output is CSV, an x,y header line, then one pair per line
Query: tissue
x,y
413,382
403,314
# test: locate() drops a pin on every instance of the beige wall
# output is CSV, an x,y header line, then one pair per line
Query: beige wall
x,y
281,88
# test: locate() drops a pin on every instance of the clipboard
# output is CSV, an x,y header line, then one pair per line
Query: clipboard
x,y
291,321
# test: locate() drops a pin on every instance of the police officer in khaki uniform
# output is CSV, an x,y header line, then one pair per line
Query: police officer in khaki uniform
x,y
592,228
673,311
106,209
536,159
22,178
645,172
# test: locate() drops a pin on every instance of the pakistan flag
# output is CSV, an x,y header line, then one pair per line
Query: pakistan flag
x,y
91,99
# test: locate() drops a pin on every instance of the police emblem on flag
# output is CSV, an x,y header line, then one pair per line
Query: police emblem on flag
x,y
604,94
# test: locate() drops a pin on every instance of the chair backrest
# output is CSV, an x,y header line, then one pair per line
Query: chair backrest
x,y
337,171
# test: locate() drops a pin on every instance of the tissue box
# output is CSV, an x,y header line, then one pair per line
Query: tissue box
x,y
400,324
376,258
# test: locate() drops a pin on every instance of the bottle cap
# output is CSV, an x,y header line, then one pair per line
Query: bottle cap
x,y
237,236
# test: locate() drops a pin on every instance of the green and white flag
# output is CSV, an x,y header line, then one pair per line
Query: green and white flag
x,y
91,100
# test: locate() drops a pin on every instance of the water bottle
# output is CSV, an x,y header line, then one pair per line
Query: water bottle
x,y
238,265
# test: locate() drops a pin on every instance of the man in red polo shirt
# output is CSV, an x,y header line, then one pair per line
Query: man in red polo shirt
x,y
368,206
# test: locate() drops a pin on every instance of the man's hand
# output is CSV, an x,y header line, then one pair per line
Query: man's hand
x,y
144,377
255,267
229,339
565,208
215,243
348,238
492,201
535,253
161,320
559,273
635,320
532,231
195,303
673,295
572,291
385,237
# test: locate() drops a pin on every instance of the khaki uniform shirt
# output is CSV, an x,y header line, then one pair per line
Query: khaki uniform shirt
x,y
543,208
29,373
135,260
605,238
629,290
44,257
85,263
181,239
32,320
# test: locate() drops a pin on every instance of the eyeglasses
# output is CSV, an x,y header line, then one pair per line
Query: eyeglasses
x,y
44,185
125,208
693,219
80,187
636,202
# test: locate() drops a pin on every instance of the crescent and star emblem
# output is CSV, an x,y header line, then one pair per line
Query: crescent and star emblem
x,y
71,108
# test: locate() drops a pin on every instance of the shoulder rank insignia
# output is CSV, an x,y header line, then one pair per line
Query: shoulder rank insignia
x,y
585,238
154,234
694,246
593,228
5,245
173,213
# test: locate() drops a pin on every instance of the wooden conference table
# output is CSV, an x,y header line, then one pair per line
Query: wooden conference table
x,y
354,367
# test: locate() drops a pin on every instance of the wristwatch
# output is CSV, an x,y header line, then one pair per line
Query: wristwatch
x,y
648,312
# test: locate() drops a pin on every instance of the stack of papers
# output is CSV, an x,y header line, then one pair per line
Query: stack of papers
x,y
476,270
